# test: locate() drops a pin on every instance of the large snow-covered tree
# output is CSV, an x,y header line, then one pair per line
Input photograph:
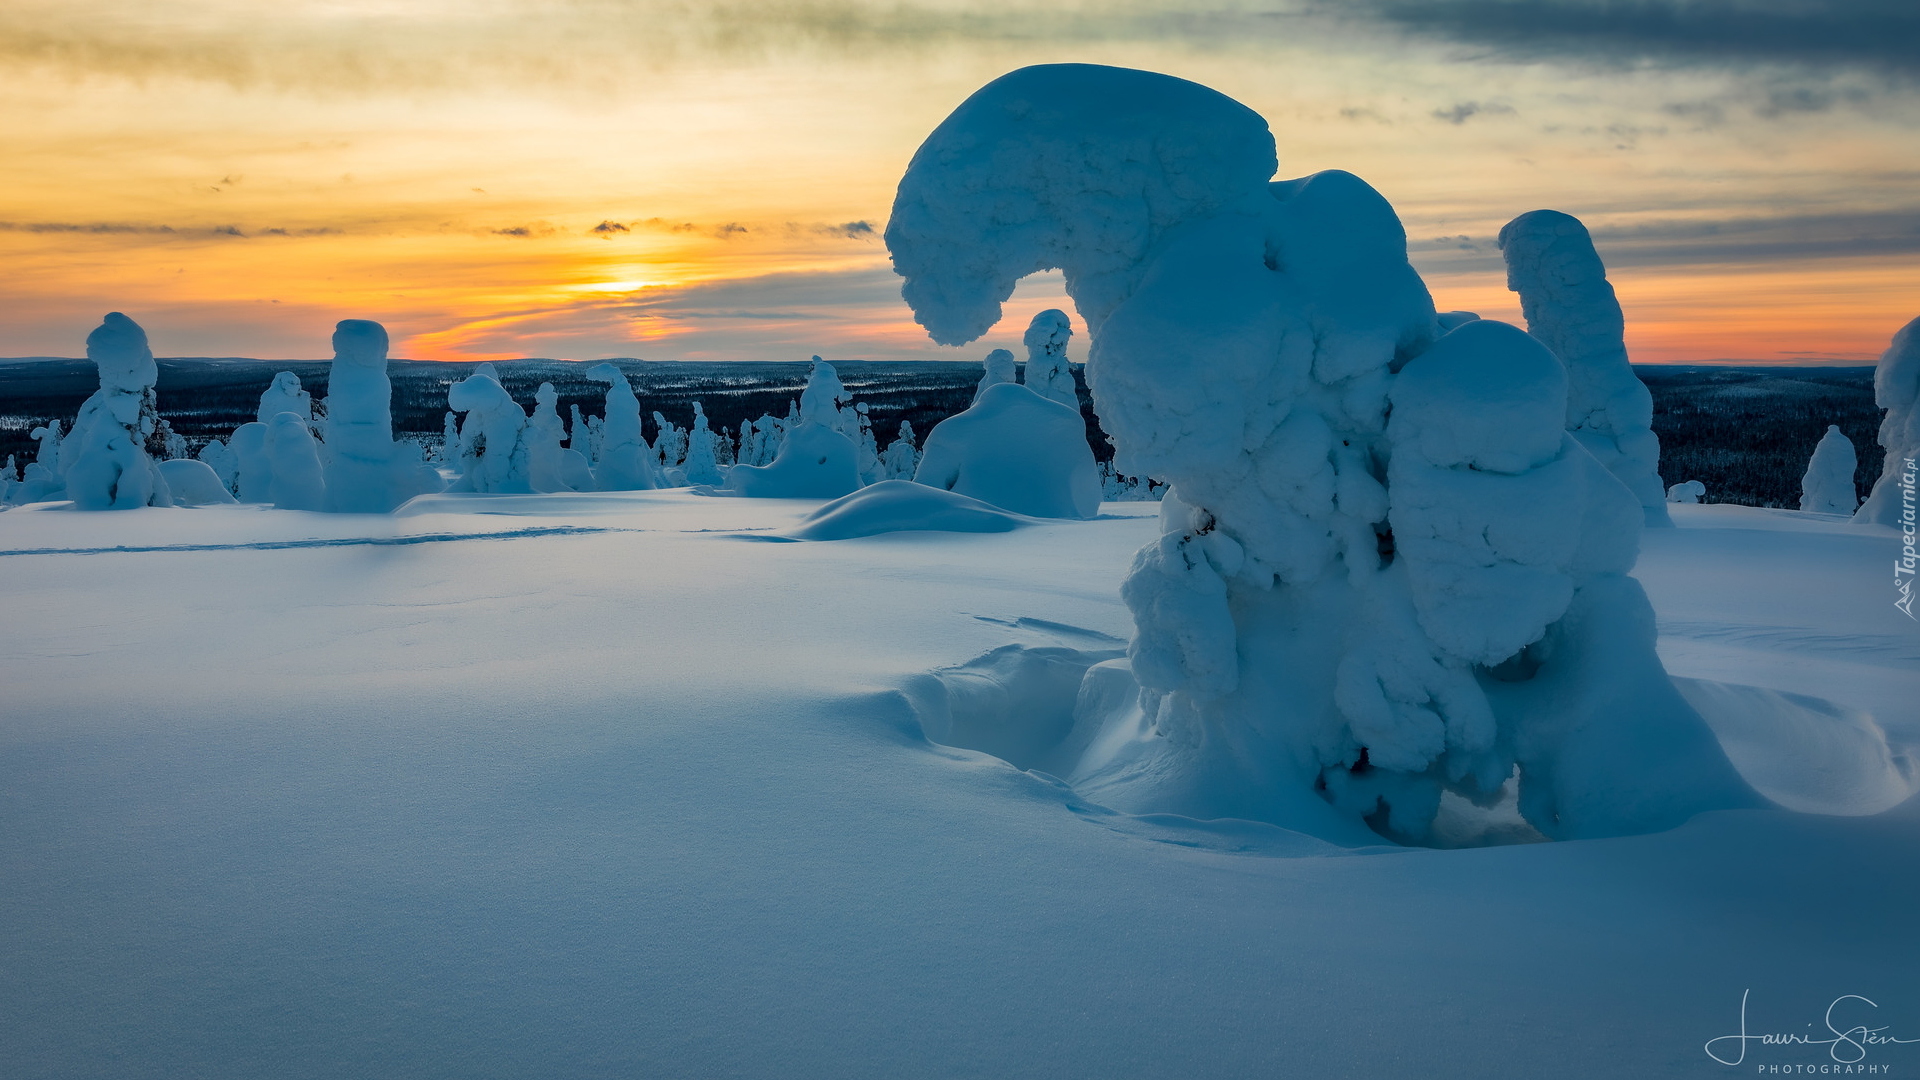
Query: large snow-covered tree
x,y
1345,615
1896,388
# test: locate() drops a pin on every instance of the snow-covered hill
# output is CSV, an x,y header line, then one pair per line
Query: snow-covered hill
x,y
622,785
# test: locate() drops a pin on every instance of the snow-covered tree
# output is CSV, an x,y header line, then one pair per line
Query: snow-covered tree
x,y
625,461
367,473
817,460
1827,487
902,456
223,461
104,460
702,463
1048,373
284,395
1570,306
1344,616
546,462
253,465
669,443
580,438
299,481
1896,388
493,451
997,368
871,471
1016,450
1688,491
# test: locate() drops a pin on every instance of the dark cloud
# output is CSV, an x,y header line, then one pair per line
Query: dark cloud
x,y
1459,113
123,228
1878,34
1750,241
606,229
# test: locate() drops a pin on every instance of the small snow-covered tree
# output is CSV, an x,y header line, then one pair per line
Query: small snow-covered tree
x,y
703,463
104,460
1827,487
284,395
871,471
817,460
580,438
1345,616
546,467
1016,450
493,450
669,443
1570,306
1689,491
1048,373
997,368
902,457
222,460
1896,388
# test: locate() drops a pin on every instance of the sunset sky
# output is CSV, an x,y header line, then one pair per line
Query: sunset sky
x,y
590,178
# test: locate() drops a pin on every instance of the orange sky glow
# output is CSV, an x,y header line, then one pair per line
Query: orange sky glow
x,y
582,179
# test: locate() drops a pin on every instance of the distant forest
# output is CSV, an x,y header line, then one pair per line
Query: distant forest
x,y
1746,433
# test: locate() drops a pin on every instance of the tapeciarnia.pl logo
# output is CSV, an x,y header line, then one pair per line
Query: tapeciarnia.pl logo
x,y
1903,567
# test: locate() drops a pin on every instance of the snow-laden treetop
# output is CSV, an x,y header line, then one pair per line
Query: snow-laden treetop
x,y
1033,151
118,347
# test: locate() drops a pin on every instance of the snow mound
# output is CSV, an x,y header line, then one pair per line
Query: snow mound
x,y
903,506
1016,703
194,483
1805,753
1016,450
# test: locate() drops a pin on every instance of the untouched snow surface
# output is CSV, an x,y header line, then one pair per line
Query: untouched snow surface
x,y
594,785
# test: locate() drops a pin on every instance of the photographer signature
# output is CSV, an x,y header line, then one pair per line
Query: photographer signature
x,y
1847,1046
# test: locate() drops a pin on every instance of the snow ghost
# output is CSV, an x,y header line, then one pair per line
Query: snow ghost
x,y
104,459
1827,487
1015,450
299,482
493,453
253,468
364,474
1571,307
1896,388
546,470
1344,617
817,460
1048,373
625,461
703,464
996,369
285,395
1690,491
871,471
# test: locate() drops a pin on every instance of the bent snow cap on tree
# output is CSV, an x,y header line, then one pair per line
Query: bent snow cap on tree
x,y
1078,167
1312,628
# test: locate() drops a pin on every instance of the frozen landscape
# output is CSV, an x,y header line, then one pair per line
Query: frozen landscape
x,y
1380,709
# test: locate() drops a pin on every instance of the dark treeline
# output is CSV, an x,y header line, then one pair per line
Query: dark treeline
x,y
206,398
1746,433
